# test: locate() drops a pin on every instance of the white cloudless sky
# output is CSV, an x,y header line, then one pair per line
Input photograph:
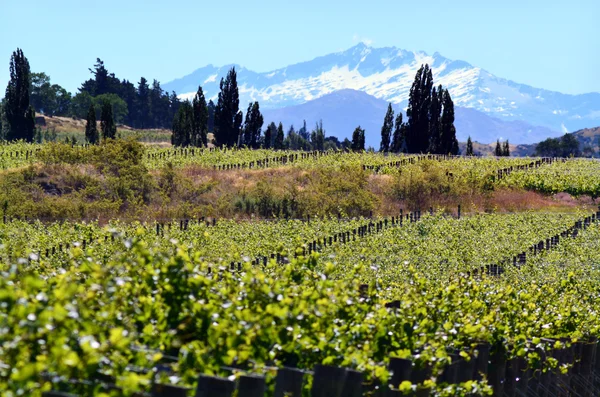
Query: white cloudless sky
x,y
551,44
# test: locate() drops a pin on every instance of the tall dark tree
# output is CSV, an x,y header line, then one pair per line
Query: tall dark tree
x,y
143,116
183,125
20,116
107,122
278,144
270,136
303,131
386,129
358,140
199,136
506,149
211,116
129,94
399,137
91,129
252,126
469,151
317,137
435,122
448,142
417,137
228,118
498,151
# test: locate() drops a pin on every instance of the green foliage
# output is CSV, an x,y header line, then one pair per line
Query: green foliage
x,y
49,99
183,125
358,139
317,137
399,138
199,135
118,106
469,151
566,146
91,129
278,143
107,122
252,126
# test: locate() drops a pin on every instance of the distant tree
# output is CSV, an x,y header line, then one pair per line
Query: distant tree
x,y
270,133
358,139
399,136
211,116
436,138
80,104
569,146
506,149
303,132
469,151
118,106
20,116
199,134
317,137
278,144
498,150
91,129
417,113
107,123
183,125
128,94
228,118
386,129
448,143
253,125
143,116
550,147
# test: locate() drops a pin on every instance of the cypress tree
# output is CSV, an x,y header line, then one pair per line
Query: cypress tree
x,y
253,125
107,123
448,141
269,135
435,123
199,133
358,140
279,138
211,116
91,129
498,151
183,125
417,137
398,138
469,147
506,149
317,137
143,115
228,118
386,129
20,116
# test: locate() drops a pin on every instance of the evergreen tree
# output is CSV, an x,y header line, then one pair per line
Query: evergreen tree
x,y
211,116
417,137
397,145
386,129
91,129
469,147
498,151
228,118
278,145
270,135
252,126
143,116
506,149
183,125
448,142
199,134
358,140
107,123
317,137
303,131
20,116
435,122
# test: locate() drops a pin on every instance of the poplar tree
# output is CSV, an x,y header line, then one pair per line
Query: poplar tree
x,y
107,123
199,133
498,151
506,149
435,122
279,138
183,125
20,116
417,113
269,135
386,129
253,125
91,129
469,147
399,135
358,140
228,118
448,141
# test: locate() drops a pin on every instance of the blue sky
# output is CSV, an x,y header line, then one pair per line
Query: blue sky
x,y
550,44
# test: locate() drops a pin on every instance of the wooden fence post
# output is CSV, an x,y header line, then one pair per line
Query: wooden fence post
x,y
251,386
169,391
328,381
288,382
214,386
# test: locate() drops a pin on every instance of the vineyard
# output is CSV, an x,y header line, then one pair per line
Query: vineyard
x,y
413,301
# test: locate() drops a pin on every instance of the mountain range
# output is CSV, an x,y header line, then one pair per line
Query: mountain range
x,y
488,107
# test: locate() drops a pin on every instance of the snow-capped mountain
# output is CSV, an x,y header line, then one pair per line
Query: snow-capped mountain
x,y
387,74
